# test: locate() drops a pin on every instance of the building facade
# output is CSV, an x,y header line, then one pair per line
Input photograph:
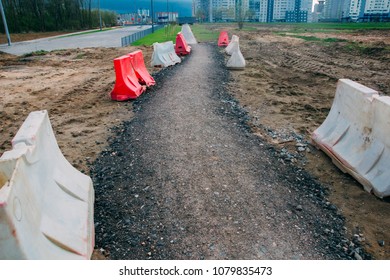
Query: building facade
x,y
220,10
281,10
293,10
369,10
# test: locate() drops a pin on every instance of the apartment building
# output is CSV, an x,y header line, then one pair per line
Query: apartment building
x,y
260,10
219,10
369,10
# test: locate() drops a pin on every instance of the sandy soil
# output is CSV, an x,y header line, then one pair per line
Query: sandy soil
x,y
74,86
288,88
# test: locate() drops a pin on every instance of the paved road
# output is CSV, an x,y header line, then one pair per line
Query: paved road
x,y
107,39
185,179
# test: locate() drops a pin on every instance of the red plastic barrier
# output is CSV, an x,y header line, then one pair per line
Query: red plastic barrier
x,y
223,39
181,47
137,61
126,84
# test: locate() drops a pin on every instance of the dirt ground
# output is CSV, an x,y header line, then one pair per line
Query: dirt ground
x,y
19,37
287,88
74,86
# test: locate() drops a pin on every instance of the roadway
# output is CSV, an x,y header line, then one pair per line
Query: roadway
x,y
106,39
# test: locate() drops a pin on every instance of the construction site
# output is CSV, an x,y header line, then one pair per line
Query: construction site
x,y
256,155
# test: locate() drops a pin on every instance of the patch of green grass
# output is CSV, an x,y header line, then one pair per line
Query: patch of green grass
x,y
36,53
324,27
334,40
80,56
308,38
165,34
363,49
247,28
203,33
316,39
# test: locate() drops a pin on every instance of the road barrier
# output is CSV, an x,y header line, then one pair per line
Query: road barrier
x,y
138,64
181,47
46,205
188,35
164,55
223,39
356,135
128,40
237,60
235,41
126,82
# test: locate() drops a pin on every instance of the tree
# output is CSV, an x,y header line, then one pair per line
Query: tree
x,y
240,14
53,15
200,14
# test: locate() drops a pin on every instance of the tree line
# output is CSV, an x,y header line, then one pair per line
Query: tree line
x,y
53,15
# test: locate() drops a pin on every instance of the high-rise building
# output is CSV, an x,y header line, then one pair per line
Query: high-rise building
x,y
275,10
259,10
219,10
300,12
369,10
336,10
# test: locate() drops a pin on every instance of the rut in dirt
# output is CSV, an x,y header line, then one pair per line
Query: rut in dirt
x,y
185,179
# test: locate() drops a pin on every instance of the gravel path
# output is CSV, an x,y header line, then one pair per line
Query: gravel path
x,y
185,179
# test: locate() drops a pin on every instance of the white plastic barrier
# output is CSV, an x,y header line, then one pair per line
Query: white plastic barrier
x,y
237,60
356,135
231,47
188,35
164,54
46,205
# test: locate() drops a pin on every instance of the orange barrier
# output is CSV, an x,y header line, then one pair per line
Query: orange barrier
x,y
223,39
137,61
181,47
126,84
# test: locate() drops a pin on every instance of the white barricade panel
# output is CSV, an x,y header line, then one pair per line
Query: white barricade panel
x,y
188,35
237,60
354,136
164,54
379,173
232,45
46,205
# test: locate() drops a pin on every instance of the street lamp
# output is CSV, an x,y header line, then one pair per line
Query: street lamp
x,y
152,13
100,16
5,23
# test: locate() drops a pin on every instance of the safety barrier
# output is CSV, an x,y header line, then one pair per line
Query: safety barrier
x,y
188,35
181,47
223,39
164,55
235,41
237,60
128,40
138,64
46,205
356,135
126,83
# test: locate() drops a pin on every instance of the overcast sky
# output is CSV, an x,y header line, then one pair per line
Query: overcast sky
x,y
126,6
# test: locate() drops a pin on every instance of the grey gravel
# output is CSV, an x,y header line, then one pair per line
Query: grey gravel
x,y
195,143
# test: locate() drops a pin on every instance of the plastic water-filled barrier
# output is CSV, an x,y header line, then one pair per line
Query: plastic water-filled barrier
x,y
356,135
164,55
46,205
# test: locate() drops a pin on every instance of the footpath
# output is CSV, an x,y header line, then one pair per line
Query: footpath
x,y
185,179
